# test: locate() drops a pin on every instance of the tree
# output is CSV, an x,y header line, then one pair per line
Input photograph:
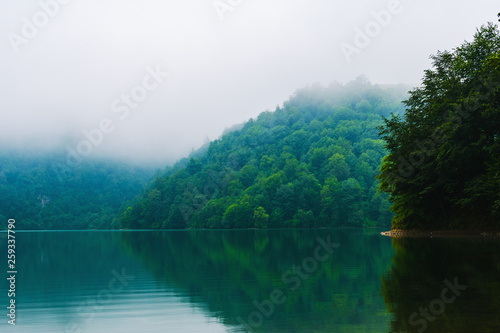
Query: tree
x,y
338,167
239,214
330,202
351,199
439,151
260,218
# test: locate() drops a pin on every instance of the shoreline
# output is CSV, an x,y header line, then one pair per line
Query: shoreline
x,y
401,233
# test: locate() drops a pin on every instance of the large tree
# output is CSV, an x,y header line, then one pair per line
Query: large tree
x,y
443,166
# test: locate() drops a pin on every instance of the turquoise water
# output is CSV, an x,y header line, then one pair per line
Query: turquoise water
x,y
328,280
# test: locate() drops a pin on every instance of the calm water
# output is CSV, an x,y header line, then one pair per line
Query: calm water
x,y
338,280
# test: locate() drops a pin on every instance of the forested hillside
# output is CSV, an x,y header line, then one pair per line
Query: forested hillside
x,y
310,163
41,191
443,170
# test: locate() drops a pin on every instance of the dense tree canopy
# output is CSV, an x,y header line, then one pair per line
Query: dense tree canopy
x,y
443,167
309,163
41,191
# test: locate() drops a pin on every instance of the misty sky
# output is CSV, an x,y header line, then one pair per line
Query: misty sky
x,y
69,68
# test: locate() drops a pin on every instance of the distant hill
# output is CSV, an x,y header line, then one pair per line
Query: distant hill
x,y
41,191
310,163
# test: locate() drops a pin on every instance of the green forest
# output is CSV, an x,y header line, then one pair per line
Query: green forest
x,y
42,192
311,163
355,154
443,166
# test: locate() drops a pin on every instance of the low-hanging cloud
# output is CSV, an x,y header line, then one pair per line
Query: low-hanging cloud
x,y
59,82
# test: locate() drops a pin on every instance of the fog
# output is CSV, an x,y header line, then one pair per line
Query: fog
x,y
150,80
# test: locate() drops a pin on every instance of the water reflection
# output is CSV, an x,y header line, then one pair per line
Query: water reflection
x,y
87,282
259,280
235,276
444,285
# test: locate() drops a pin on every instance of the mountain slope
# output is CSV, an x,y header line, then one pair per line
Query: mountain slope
x,y
41,191
310,163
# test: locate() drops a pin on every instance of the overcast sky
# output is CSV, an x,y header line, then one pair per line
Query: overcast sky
x,y
77,65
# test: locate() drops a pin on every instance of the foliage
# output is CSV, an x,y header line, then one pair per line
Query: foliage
x,y
310,163
443,166
41,191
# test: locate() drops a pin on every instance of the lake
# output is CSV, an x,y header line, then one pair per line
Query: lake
x,y
324,280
